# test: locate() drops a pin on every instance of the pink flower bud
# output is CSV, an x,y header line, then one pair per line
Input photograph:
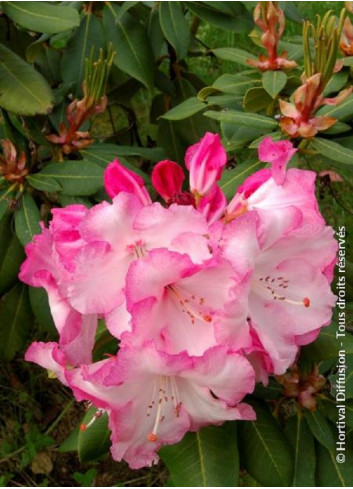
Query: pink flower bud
x,y
167,179
278,154
205,162
118,179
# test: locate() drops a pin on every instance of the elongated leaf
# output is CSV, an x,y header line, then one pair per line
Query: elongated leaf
x,y
27,219
276,136
174,27
332,412
104,153
320,429
303,445
47,184
343,111
230,16
185,109
11,255
42,17
75,177
208,458
15,321
274,82
95,440
348,379
89,35
40,306
334,151
234,54
267,456
169,138
331,473
235,84
231,179
22,89
256,99
236,137
6,195
133,50
235,117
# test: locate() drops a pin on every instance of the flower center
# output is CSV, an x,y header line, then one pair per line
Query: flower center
x,y
136,249
190,304
276,289
165,399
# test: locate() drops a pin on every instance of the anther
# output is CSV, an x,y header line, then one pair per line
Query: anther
x,y
306,302
152,437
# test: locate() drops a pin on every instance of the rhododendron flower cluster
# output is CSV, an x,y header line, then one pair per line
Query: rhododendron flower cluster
x,y
205,297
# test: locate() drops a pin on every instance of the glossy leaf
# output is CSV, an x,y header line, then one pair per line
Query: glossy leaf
x,y
89,35
95,440
11,255
234,54
274,82
235,117
185,109
6,195
75,177
231,179
266,454
174,26
330,473
46,184
27,219
235,84
134,54
334,151
15,321
22,89
40,306
320,428
230,16
42,17
208,458
256,99
344,111
303,445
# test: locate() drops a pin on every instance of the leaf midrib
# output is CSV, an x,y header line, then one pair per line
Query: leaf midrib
x,y
34,14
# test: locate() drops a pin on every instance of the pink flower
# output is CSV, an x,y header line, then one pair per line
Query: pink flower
x,y
50,262
119,233
176,303
205,162
213,205
118,178
50,357
278,154
289,293
154,398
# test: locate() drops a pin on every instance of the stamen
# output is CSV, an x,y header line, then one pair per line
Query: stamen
x,y
97,414
190,304
269,286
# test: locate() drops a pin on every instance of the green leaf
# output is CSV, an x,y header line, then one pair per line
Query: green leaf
x,y
231,179
348,379
15,321
70,443
343,111
348,61
45,183
185,109
174,27
235,137
303,445
337,128
334,151
256,99
88,35
105,153
230,16
235,117
134,54
234,54
42,17
276,136
208,458
267,456
22,89
330,473
336,83
75,177
329,406
274,82
40,306
11,256
27,219
320,428
95,440
235,84
169,139
6,195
